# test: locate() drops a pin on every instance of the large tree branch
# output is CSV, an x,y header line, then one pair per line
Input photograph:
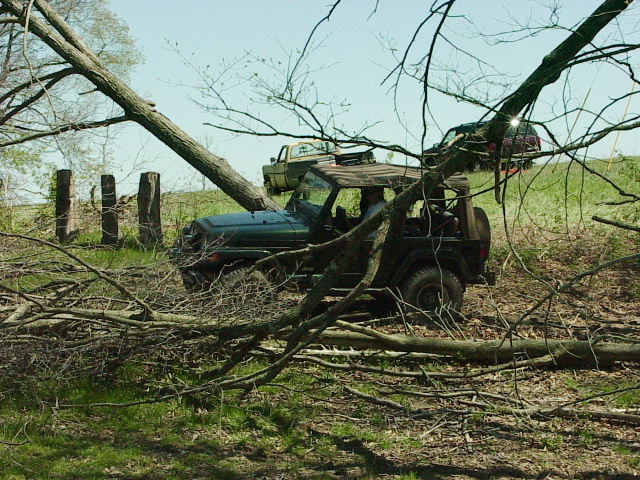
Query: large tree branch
x,y
564,352
558,60
44,89
71,127
213,167
57,76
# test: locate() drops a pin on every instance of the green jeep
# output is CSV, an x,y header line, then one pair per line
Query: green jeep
x,y
441,247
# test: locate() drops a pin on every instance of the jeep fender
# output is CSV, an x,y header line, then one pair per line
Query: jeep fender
x,y
448,259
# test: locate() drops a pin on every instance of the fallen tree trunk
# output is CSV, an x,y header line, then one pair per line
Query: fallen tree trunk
x,y
564,352
561,352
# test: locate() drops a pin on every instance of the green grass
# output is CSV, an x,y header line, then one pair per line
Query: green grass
x,y
133,443
562,197
170,440
225,437
632,458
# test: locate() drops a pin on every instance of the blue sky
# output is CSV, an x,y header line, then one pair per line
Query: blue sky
x,y
351,61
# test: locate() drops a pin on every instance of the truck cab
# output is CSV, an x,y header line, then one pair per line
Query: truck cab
x,y
287,169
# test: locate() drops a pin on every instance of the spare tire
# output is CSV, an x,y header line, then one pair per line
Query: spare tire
x,y
483,226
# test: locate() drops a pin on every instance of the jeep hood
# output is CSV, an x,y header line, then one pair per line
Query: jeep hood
x,y
253,229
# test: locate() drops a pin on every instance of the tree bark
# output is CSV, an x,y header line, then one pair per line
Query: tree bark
x,y
565,352
65,42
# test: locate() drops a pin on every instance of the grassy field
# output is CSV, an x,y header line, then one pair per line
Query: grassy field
x,y
562,196
556,198
306,424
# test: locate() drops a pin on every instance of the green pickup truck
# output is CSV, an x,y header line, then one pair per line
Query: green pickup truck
x,y
441,248
294,160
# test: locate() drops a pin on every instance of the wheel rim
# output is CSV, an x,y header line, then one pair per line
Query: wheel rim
x,y
432,297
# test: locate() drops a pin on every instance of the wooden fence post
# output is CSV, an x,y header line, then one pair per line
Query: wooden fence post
x,y
149,209
109,213
66,215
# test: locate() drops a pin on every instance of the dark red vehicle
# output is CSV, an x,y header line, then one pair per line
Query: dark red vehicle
x,y
520,139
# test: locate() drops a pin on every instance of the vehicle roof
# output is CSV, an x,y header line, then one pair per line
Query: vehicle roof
x,y
311,140
380,175
468,127
473,126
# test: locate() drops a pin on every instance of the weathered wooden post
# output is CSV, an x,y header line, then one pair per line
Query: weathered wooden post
x,y
149,209
109,213
66,215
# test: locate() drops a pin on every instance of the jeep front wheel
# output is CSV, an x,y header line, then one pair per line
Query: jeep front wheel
x,y
194,280
246,284
433,292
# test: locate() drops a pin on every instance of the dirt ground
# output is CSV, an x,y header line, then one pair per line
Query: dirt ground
x,y
434,418
476,428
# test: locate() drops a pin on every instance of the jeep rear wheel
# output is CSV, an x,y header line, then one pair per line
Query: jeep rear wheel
x,y
433,292
483,226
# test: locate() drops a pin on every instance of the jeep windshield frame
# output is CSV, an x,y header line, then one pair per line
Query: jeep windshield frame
x,y
311,197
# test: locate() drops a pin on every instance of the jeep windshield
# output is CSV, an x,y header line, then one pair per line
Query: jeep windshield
x,y
310,196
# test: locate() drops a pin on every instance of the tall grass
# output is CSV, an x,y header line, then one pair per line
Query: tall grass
x,y
560,198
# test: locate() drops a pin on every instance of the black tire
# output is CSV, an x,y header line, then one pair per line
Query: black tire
x,y
194,280
433,292
483,226
271,190
248,284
